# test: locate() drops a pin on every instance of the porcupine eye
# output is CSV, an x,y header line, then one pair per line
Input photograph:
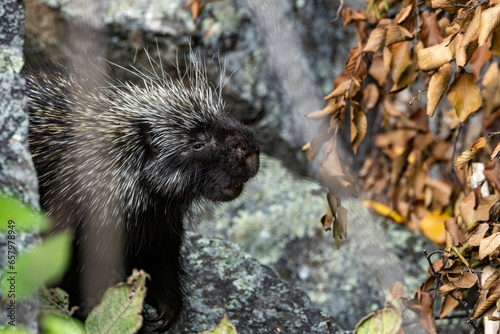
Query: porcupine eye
x,y
198,147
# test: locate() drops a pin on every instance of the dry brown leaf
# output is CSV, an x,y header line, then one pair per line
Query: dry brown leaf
x,y
490,20
333,203
396,290
315,144
472,32
492,172
378,71
356,66
467,211
358,125
491,89
441,190
390,109
387,57
396,34
334,172
479,58
468,155
402,66
476,237
489,245
461,51
434,57
342,89
438,86
464,280
400,59
351,16
404,14
487,301
377,37
330,108
394,143
447,5
448,304
430,32
427,315
485,204
457,236
464,95
456,267
491,279
446,289
370,96
495,42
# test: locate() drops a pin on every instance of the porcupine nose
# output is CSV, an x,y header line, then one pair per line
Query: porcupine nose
x,y
252,162
249,159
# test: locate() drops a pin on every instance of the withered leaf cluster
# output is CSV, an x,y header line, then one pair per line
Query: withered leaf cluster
x,y
427,68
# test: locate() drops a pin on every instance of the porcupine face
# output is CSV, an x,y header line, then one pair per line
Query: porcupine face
x,y
226,157
210,157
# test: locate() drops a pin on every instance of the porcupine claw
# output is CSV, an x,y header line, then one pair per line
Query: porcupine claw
x,y
165,327
158,318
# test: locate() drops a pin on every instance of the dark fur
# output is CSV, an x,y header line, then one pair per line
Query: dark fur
x,y
139,158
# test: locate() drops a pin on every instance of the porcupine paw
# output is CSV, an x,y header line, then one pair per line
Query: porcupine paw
x,y
164,320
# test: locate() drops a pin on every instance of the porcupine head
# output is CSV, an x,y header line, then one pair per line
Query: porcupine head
x,y
152,152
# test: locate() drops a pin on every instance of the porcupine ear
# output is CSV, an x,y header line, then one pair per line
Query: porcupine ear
x,y
146,135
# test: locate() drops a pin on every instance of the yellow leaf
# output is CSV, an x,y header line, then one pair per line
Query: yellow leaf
x,y
490,20
432,226
437,87
464,95
384,210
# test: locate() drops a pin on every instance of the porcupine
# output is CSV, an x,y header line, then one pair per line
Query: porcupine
x,y
152,153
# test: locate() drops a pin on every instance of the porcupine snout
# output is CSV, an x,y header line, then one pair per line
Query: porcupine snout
x,y
245,149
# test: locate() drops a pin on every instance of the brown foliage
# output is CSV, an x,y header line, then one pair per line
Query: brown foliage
x,y
451,48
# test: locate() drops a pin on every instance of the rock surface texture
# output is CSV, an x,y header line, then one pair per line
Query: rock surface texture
x,y
226,280
17,174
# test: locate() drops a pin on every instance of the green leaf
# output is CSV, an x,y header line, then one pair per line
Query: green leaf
x,y
25,218
385,321
54,324
13,330
56,301
121,307
44,264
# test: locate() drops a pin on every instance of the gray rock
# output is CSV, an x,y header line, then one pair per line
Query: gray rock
x,y
17,174
226,280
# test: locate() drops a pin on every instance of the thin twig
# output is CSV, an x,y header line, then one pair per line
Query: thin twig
x,y
458,299
418,97
338,13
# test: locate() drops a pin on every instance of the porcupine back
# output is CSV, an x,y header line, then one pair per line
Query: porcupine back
x,y
139,157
